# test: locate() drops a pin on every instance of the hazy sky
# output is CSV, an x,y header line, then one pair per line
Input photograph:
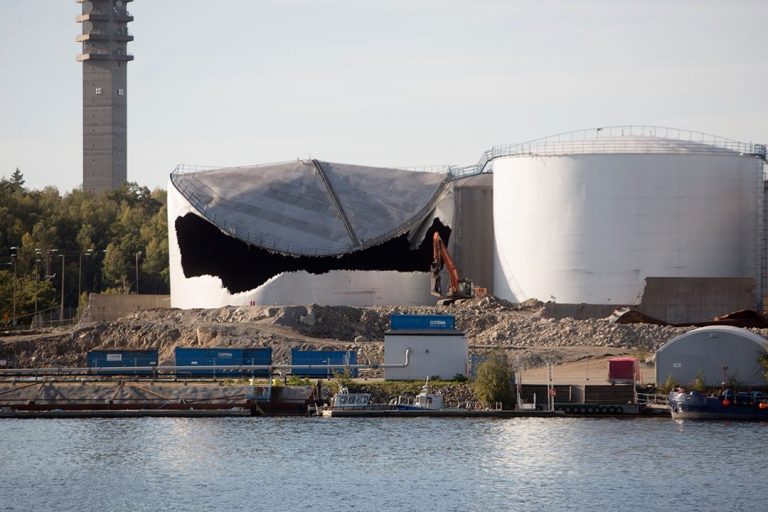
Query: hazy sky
x,y
387,83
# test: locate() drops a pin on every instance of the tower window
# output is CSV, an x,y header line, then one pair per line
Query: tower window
x,y
98,91
121,92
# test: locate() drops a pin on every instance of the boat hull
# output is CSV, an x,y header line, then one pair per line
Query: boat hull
x,y
694,406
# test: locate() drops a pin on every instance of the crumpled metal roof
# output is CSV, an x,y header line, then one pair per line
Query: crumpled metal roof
x,y
312,208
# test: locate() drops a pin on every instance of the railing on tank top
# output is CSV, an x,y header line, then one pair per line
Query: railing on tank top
x,y
610,139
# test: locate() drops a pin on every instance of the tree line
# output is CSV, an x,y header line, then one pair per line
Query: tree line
x,y
79,242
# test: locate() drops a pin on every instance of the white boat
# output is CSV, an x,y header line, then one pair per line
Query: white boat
x,y
346,401
423,401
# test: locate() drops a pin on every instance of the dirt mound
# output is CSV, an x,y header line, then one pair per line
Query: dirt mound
x,y
489,323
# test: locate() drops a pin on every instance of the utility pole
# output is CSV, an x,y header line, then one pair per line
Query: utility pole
x,y
61,311
13,261
79,276
37,279
137,272
550,388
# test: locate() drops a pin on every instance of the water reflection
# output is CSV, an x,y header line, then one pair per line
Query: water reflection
x,y
373,464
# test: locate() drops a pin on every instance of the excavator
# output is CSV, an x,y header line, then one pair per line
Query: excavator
x,y
457,288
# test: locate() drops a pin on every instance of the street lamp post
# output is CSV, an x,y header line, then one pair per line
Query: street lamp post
x,y
61,310
13,261
137,272
48,274
80,277
37,278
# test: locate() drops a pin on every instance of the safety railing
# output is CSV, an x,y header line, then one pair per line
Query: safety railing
x,y
633,139
652,399
617,139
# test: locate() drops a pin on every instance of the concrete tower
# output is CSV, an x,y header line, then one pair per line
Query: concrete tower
x,y
105,59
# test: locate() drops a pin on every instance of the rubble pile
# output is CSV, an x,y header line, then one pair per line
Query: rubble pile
x,y
489,323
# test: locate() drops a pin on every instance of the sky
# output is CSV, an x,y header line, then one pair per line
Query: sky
x,y
388,83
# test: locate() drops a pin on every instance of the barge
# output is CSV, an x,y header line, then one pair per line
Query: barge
x,y
124,398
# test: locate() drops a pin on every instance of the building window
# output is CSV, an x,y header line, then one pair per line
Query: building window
x,y
121,92
98,91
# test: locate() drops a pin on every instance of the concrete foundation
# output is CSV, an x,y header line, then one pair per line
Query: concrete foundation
x,y
106,308
679,300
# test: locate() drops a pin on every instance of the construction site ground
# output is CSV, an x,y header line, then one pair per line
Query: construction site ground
x,y
579,349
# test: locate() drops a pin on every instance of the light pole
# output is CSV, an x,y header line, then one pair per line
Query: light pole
x,y
80,273
87,253
137,272
13,261
101,270
37,278
61,310
48,274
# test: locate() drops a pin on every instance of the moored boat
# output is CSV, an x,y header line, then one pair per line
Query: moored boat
x,y
741,406
424,401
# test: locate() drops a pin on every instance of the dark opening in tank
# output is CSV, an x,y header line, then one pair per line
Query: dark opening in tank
x,y
205,250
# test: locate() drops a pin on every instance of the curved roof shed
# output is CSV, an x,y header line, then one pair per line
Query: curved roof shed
x,y
718,353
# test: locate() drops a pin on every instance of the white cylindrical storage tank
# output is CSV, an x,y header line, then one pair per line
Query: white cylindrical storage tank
x,y
585,219
304,232
335,288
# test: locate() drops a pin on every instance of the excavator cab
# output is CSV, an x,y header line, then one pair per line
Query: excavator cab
x,y
436,281
459,288
466,288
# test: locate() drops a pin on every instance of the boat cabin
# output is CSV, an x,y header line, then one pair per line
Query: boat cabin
x,y
345,399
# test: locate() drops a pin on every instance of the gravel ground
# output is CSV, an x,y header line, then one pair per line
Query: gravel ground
x,y
531,339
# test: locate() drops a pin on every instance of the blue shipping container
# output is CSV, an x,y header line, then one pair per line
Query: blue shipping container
x,y
322,357
260,357
422,322
122,361
222,357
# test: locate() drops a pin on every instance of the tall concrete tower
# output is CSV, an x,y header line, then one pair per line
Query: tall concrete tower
x,y
105,60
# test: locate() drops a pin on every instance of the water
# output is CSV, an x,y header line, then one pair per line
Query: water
x,y
286,464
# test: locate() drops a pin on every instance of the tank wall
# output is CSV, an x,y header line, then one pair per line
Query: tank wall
x,y
346,287
472,237
591,228
339,287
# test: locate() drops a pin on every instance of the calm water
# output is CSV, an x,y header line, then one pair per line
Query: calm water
x,y
379,465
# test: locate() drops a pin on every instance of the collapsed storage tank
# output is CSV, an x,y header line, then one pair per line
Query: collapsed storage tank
x,y
304,232
586,217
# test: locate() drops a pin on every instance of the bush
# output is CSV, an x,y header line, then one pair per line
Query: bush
x,y
698,383
341,379
763,360
668,385
494,382
295,380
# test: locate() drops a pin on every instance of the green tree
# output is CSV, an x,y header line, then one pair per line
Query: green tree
x,y
763,360
668,385
699,382
95,236
17,180
27,292
494,381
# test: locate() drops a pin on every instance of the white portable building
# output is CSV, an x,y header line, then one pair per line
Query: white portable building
x,y
440,352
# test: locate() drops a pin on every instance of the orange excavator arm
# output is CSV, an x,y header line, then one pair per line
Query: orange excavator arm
x,y
440,259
